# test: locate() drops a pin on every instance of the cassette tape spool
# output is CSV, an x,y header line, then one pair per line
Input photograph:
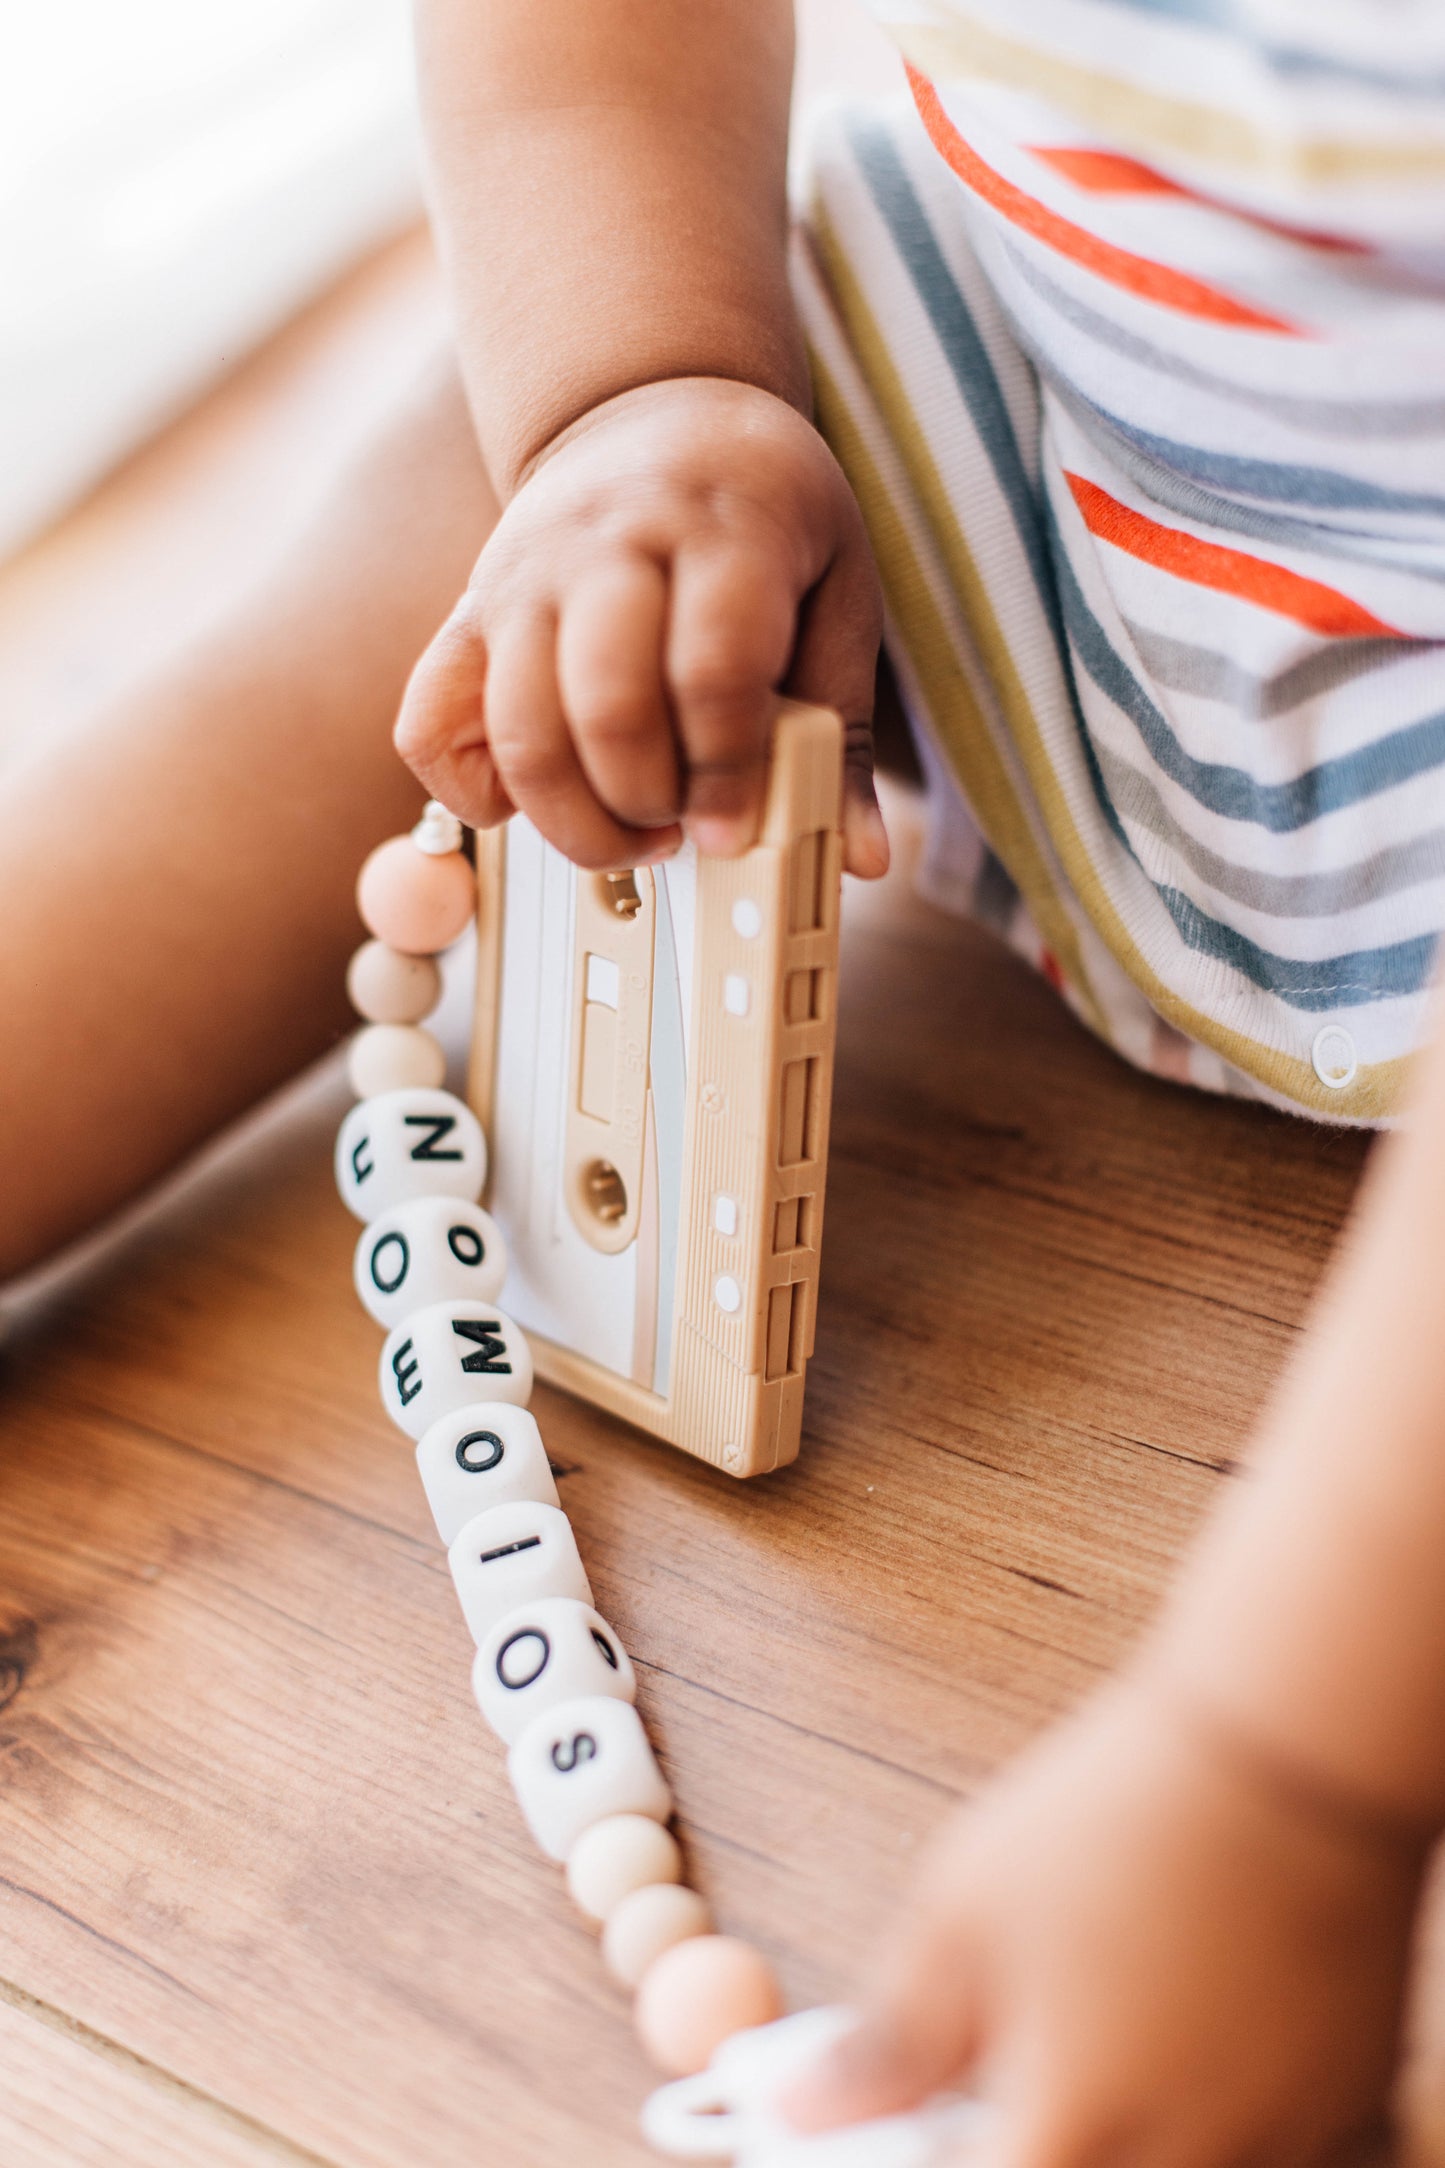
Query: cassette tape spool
x,y
653,1063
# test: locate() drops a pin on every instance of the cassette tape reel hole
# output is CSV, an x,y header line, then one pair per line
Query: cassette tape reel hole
x,y
604,1193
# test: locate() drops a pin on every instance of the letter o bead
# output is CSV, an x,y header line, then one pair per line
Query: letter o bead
x,y
430,1249
486,1454
411,1143
580,1761
448,1355
511,1556
546,1652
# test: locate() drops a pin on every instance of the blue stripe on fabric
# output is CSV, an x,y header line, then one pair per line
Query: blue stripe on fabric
x,y
1327,982
1275,482
1232,792
973,373
1290,60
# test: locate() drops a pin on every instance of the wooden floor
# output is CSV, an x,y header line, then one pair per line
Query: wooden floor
x,y
264,1896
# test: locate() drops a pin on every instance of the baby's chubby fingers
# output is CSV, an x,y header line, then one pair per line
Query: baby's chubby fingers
x,y
538,763
729,639
919,2033
609,670
441,730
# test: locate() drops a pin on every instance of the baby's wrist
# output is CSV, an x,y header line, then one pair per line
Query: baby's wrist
x,y
1276,1762
728,396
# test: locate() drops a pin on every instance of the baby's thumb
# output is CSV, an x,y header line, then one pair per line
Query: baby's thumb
x,y
919,2036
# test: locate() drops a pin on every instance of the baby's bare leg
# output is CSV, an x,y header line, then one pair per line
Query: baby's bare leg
x,y
176,879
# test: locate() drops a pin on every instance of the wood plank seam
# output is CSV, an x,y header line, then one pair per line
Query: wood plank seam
x,y
159,2079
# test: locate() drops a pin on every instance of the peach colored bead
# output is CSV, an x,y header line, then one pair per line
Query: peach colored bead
x,y
413,902
614,1857
394,1058
647,1922
388,988
698,1994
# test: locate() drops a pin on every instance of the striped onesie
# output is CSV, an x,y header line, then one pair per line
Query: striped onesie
x,y
1129,332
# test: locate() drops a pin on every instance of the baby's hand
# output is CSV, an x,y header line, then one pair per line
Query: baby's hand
x,y
676,558
1146,1950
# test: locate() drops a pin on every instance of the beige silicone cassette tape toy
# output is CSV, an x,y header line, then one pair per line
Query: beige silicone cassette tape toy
x,y
652,1065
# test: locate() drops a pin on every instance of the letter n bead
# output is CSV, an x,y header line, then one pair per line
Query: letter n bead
x,y
545,1652
448,1355
580,1761
412,1143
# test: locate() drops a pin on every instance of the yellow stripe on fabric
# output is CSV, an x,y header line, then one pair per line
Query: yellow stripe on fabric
x,y
951,698
1123,113
1377,1089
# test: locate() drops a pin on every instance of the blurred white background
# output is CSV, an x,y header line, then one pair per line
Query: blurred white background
x,y
179,177
176,178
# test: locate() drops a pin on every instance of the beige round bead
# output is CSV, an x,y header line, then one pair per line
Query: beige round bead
x,y
645,1923
394,1058
698,1994
614,1857
388,988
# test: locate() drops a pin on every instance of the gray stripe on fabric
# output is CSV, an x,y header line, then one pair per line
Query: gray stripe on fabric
x,y
972,371
1329,982
1388,872
1203,671
1358,418
963,348
995,895
1177,493
1305,61
1229,791
1271,481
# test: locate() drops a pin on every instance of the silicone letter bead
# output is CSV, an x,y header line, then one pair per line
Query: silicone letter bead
x,y
388,988
581,1761
545,1652
413,901
430,1249
409,1144
484,1455
443,1357
511,1556
394,1058
614,1857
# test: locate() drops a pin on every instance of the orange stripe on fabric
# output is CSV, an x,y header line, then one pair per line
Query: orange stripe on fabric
x,y
1110,173
1208,564
1136,274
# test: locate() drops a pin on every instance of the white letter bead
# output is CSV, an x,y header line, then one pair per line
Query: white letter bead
x,y
484,1455
430,1249
515,1555
616,1856
412,1143
448,1355
579,1762
545,1652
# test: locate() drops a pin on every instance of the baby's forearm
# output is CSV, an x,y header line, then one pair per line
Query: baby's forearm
x,y
609,185
1313,1619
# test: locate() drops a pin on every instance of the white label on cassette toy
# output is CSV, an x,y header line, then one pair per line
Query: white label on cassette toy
x,y
615,1308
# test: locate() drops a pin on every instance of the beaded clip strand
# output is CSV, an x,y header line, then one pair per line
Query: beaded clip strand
x,y
550,1675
